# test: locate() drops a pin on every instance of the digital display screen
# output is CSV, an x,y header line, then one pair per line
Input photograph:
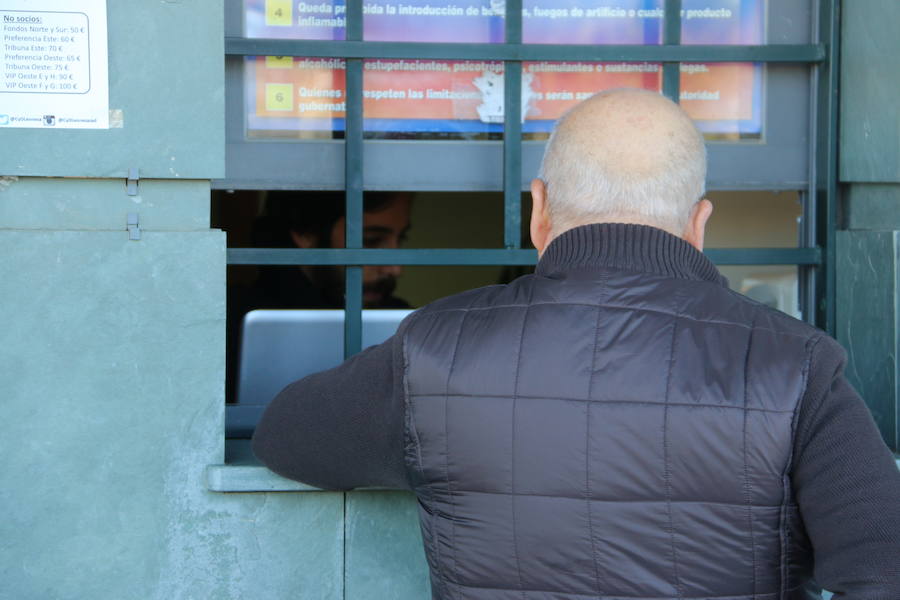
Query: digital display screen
x,y
304,97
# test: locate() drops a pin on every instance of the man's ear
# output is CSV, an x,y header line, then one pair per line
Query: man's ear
x,y
303,240
540,217
695,232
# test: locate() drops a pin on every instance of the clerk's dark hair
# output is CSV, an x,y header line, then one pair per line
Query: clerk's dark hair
x,y
307,213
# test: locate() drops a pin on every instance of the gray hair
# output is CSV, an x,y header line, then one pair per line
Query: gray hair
x,y
588,185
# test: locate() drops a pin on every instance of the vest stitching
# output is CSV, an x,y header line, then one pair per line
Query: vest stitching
x,y
624,307
811,344
618,501
666,466
748,491
619,596
512,496
462,322
413,433
638,402
587,452
411,430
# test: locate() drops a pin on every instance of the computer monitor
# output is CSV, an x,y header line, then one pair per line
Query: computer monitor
x,y
281,346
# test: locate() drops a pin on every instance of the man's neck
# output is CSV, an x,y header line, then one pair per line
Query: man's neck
x,y
628,246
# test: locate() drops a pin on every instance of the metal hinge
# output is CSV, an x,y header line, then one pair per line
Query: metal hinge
x,y
134,231
131,183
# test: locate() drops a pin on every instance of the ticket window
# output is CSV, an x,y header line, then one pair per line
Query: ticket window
x,y
753,219
434,127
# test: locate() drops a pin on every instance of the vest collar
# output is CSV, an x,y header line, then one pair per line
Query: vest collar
x,y
627,246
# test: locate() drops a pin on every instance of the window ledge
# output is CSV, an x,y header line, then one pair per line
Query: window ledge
x,y
250,478
257,478
242,473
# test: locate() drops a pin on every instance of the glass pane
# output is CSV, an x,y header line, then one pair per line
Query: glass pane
x,y
464,99
730,22
472,22
592,22
758,220
775,286
725,99
588,22
551,88
433,99
294,98
287,19
264,219
754,220
477,21
303,98
640,22
456,220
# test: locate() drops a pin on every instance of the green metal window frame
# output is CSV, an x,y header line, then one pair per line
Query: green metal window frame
x,y
815,257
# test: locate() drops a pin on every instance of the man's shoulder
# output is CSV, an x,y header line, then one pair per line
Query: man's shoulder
x,y
487,297
761,316
708,301
773,327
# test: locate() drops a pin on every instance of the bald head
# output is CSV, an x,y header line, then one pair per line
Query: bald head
x,y
627,156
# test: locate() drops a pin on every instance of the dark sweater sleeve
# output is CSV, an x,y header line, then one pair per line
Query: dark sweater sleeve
x,y
340,429
847,485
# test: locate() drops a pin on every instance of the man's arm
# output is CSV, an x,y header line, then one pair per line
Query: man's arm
x,y
340,429
847,486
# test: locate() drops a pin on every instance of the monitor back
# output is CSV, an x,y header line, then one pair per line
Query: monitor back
x,y
281,346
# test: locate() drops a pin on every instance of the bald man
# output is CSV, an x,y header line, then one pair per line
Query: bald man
x,y
619,424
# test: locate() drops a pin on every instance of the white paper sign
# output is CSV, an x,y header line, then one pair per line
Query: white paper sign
x,y
54,64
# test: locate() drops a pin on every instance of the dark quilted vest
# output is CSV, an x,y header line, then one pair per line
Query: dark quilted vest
x,y
618,425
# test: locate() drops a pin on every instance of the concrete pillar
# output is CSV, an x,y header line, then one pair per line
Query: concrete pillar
x,y
868,244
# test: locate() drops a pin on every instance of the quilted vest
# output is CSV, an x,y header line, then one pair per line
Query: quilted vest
x,y
618,425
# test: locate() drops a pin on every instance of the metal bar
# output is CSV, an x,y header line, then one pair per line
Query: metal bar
x,y
672,39
806,301
352,311
810,276
489,256
672,23
372,256
354,30
775,53
353,155
826,158
353,184
513,22
512,132
671,84
764,256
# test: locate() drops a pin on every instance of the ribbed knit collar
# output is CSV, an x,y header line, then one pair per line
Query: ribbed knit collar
x,y
627,246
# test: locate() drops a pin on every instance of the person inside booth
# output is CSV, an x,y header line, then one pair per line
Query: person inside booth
x,y
300,220
294,221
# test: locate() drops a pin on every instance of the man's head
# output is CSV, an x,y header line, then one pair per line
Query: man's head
x,y
319,222
623,156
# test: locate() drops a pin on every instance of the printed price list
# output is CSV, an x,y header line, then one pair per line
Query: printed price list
x,y
45,52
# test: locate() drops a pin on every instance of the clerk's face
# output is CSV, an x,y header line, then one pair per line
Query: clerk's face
x,y
384,228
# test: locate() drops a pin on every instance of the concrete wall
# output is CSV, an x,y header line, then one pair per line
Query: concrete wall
x,y
112,357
